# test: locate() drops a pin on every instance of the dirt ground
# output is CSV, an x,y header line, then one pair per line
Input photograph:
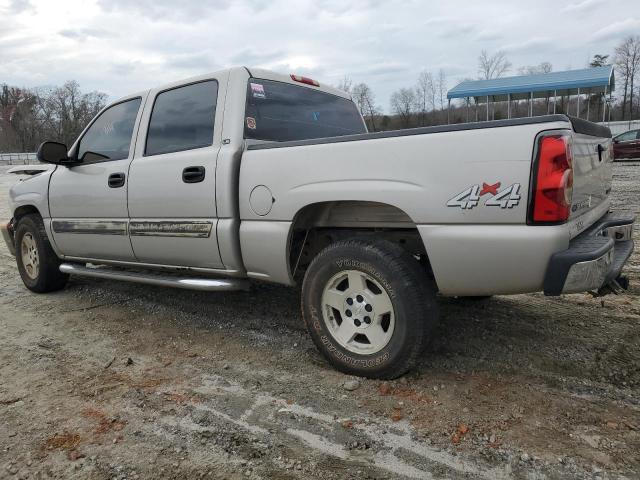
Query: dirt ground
x,y
108,380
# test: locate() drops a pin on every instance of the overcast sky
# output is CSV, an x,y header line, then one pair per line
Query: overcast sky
x,y
122,46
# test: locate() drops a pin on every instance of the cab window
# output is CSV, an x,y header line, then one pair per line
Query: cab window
x,y
109,136
279,112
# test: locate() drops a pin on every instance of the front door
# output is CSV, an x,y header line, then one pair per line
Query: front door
x,y
172,189
627,145
88,202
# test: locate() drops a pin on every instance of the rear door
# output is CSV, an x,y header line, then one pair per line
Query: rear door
x,y
172,186
88,202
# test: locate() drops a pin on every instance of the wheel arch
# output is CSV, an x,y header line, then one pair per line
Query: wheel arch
x,y
319,224
24,210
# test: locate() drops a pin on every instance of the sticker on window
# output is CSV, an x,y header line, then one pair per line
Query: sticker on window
x,y
257,90
251,123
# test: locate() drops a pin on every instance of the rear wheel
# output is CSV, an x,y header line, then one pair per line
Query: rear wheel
x,y
38,264
369,307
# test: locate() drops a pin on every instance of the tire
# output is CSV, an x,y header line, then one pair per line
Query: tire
x,y
38,264
374,276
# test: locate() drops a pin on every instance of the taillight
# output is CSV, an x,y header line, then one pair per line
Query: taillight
x,y
306,80
553,187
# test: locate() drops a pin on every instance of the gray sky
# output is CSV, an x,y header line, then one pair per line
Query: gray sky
x,y
121,46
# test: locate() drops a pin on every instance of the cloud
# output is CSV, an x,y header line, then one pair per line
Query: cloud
x,y
534,43
256,57
123,46
618,29
19,6
583,6
84,33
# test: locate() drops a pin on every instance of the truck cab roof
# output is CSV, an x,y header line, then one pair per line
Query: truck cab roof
x,y
252,72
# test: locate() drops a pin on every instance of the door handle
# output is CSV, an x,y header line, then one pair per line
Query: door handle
x,y
116,180
193,174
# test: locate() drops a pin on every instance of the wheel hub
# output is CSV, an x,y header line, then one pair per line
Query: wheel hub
x,y
358,312
30,257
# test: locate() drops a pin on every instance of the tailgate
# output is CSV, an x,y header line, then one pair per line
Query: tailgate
x,y
592,174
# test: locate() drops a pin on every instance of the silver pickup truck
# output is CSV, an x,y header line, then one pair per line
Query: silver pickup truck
x,y
247,174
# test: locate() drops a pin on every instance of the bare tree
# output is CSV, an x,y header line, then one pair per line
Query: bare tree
x,y
627,62
492,66
425,95
402,104
345,84
599,61
544,67
442,88
28,117
365,100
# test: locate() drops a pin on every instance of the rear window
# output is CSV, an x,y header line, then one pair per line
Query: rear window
x,y
280,112
183,118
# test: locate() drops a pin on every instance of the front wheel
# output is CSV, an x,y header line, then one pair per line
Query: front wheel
x,y
38,264
369,307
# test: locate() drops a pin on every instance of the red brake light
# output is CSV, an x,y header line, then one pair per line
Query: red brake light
x,y
553,181
306,80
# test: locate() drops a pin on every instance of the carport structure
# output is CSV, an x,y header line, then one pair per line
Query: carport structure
x,y
589,81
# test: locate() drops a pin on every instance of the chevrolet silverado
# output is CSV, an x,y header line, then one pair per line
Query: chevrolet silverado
x,y
247,174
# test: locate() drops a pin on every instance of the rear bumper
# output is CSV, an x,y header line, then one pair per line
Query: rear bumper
x,y
594,259
7,233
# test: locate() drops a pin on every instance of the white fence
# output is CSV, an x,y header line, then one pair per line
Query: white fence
x,y
18,158
621,127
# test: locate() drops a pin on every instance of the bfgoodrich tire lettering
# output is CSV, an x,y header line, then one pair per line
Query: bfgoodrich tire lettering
x,y
47,277
410,291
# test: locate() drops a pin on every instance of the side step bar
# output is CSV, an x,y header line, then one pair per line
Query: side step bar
x,y
189,283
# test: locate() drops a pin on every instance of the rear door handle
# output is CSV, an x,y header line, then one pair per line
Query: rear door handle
x,y
193,174
116,180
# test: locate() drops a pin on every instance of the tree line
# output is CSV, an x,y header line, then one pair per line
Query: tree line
x,y
30,116
425,103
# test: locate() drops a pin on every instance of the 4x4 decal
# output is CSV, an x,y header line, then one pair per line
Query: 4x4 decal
x,y
508,197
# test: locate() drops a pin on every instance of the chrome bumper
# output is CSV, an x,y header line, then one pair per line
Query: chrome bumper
x,y
7,234
594,259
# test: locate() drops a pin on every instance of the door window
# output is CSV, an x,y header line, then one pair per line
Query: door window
x,y
183,118
109,136
625,137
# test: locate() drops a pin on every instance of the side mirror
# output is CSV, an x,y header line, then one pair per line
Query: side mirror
x,y
53,152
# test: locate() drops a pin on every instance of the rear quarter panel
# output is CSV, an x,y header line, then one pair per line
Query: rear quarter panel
x,y
418,174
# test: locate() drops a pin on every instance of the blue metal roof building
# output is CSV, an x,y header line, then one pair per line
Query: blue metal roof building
x,y
588,81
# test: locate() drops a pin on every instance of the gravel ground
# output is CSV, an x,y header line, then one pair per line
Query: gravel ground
x,y
107,380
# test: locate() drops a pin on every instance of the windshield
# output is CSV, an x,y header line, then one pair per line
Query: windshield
x,y
280,112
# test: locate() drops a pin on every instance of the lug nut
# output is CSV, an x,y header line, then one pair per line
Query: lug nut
x,y
350,301
348,313
368,307
359,298
356,322
367,320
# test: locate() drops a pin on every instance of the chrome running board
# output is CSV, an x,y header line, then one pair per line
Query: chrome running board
x,y
189,283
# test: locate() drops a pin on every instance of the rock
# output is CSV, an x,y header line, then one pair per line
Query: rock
x,y
347,424
128,361
351,385
384,389
525,457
